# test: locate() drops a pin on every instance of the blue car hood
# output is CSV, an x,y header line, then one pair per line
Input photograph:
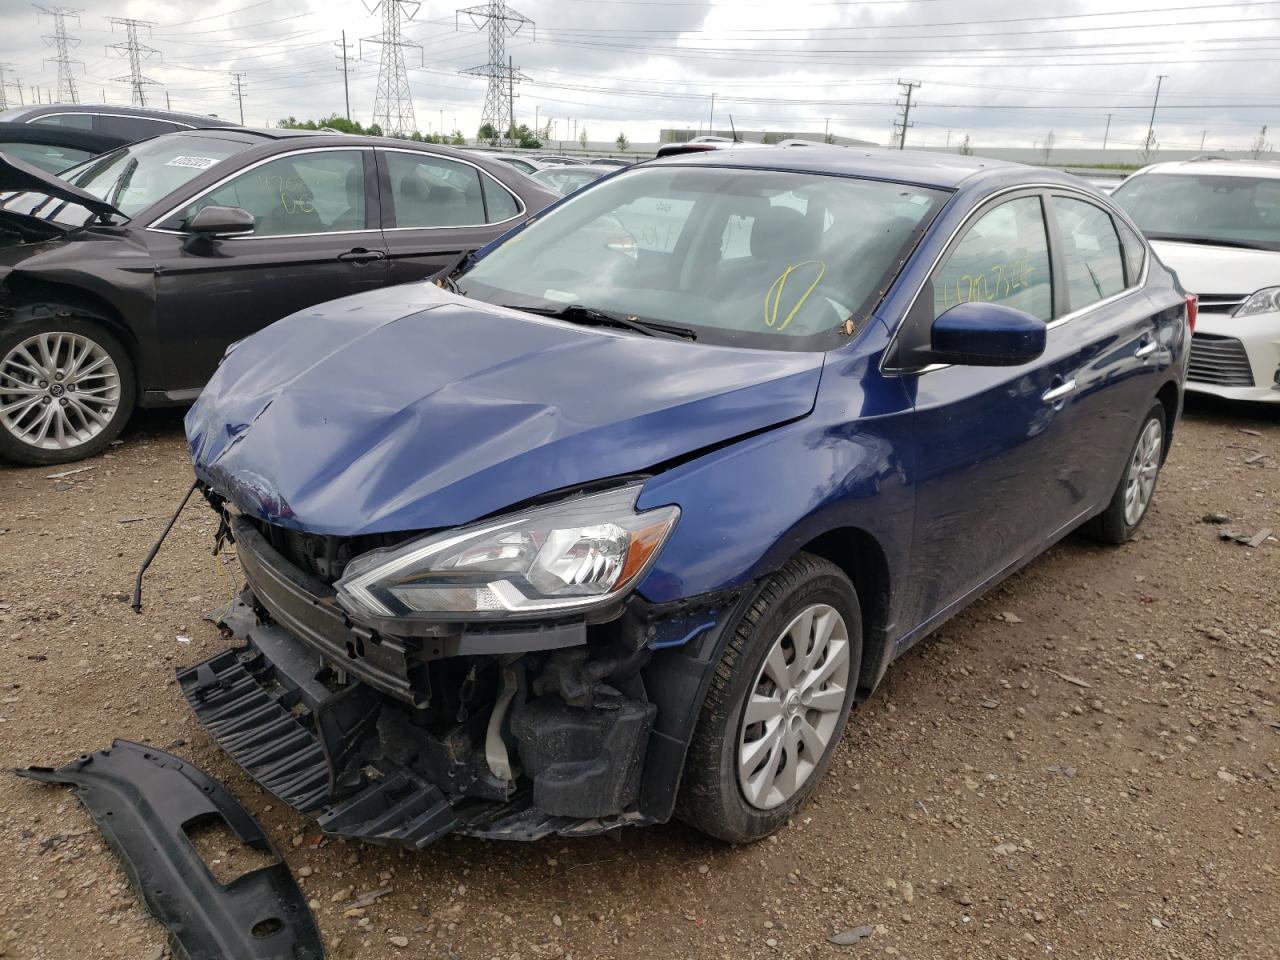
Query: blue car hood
x,y
410,408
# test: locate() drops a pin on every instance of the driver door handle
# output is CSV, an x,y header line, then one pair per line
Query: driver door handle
x,y
361,255
1060,392
1147,349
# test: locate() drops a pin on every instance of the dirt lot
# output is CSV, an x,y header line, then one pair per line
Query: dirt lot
x,y
1085,764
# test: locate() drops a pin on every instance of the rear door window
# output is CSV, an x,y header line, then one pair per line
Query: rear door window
x,y
135,128
79,121
1091,252
431,191
1002,258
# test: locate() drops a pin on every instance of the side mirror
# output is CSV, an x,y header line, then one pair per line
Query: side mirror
x,y
978,334
221,221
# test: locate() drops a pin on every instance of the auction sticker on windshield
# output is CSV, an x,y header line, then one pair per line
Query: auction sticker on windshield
x,y
199,163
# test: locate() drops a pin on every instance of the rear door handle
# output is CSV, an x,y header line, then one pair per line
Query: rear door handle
x,y
1147,349
1060,392
361,255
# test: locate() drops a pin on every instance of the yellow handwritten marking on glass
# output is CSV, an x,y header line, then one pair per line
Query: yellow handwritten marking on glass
x,y
1006,279
773,296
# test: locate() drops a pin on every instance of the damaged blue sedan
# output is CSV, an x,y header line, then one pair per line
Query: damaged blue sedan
x,y
619,519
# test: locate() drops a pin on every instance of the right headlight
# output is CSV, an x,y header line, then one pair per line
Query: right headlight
x,y
1266,300
559,558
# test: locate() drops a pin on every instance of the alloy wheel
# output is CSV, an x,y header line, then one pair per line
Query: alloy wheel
x,y
793,710
1143,469
58,390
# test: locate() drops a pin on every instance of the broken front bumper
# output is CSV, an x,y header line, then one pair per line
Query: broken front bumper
x,y
344,723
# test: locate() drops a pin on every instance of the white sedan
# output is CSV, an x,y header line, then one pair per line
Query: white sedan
x,y
1216,223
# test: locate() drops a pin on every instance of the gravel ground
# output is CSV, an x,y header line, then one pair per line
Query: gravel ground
x,y
1085,764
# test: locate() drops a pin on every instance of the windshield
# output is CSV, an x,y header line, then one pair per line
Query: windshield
x,y
1208,208
752,258
131,178
47,157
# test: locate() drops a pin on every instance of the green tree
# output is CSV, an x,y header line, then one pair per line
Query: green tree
x,y
622,142
488,132
524,137
966,148
582,138
458,139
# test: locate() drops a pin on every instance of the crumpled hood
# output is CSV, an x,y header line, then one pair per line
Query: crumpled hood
x,y
410,408
1223,270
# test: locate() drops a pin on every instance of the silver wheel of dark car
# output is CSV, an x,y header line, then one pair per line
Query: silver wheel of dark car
x,y
1136,490
1144,467
66,388
794,709
777,702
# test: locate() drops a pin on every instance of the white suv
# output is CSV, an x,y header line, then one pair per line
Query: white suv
x,y
1216,223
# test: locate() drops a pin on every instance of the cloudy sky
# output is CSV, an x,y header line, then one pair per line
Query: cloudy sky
x,y
1003,72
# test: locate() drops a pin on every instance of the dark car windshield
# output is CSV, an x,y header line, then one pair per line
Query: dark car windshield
x,y
131,178
48,157
754,258
1206,208
565,180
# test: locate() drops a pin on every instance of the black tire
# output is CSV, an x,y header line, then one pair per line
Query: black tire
x,y
1111,526
56,319
711,797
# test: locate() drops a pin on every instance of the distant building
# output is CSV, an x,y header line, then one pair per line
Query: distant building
x,y
762,136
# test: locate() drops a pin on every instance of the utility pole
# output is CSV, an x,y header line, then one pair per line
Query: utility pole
x,y
501,21
135,52
1106,132
343,47
948,145
907,88
1203,134
1151,127
62,45
393,103
4,100
169,106
711,120
237,79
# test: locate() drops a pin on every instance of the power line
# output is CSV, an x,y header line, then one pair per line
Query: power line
x,y
62,45
907,87
393,103
135,52
499,102
15,82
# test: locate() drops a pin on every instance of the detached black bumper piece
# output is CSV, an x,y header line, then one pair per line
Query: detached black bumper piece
x,y
143,800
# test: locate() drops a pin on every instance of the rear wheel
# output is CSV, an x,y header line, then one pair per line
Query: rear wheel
x,y
66,390
777,705
1137,488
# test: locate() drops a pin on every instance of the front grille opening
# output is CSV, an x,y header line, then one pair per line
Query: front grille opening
x,y
322,557
1221,361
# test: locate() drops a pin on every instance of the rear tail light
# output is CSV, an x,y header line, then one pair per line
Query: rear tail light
x,y
1193,310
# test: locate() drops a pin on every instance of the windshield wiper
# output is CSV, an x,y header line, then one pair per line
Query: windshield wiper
x,y
445,278
590,316
1214,241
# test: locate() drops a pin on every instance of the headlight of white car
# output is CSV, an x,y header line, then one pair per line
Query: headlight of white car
x,y
1265,300
566,556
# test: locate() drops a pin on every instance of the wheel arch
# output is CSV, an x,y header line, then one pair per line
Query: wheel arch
x,y
862,559
1170,398
30,299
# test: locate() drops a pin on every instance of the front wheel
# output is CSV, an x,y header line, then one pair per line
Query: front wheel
x,y
1137,488
777,704
66,390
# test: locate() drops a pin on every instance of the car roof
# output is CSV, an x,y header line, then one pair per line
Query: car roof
x,y
1216,167
106,109
945,171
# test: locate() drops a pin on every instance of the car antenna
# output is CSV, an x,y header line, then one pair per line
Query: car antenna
x,y
137,584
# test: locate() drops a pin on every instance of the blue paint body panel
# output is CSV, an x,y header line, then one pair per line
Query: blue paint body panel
x,y
411,408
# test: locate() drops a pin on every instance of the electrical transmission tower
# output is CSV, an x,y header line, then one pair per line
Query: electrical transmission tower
x,y
901,127
135,52
502,22
5,83
62,45
393,103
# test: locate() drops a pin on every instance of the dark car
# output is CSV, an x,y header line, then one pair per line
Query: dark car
x,y
622,521
569,178
54,148
130,123
126,281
